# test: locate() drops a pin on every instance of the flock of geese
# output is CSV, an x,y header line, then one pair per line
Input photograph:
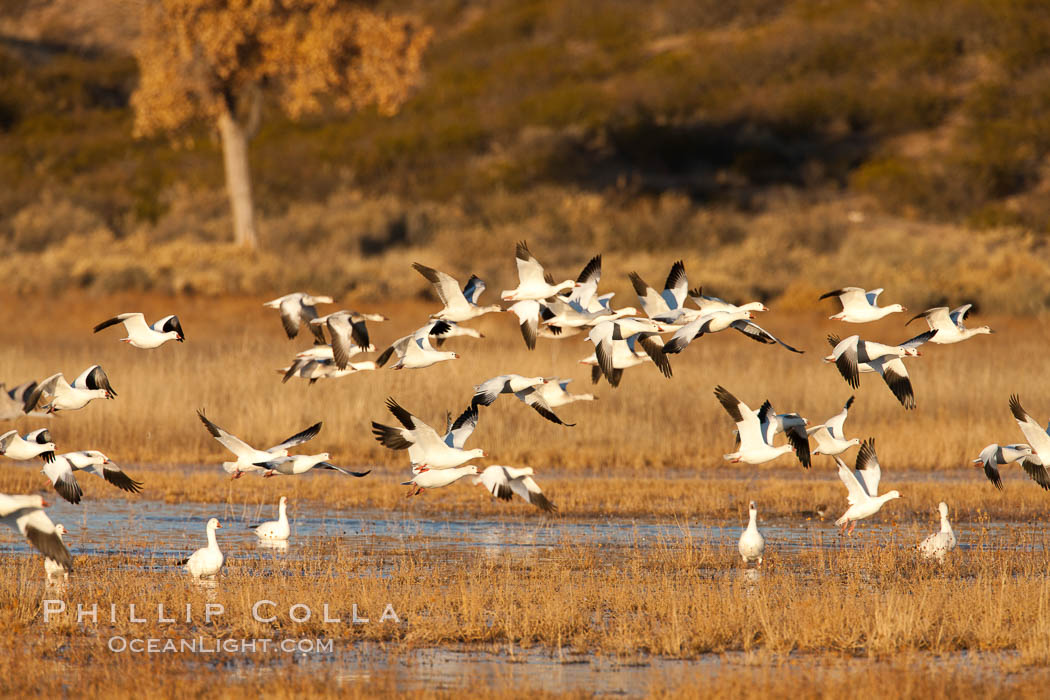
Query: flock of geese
x,y
544,308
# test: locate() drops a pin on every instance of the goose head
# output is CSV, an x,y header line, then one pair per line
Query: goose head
x,y
214,524
892,495
943,508
61,530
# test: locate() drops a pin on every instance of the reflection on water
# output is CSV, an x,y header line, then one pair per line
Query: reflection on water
x,y
162,533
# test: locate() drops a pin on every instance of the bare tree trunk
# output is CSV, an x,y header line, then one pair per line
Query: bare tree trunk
x,y
238,179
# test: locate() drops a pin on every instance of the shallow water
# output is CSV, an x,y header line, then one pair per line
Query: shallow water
x,y
117,526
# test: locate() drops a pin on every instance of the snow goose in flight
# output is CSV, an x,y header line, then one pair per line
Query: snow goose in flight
x,y
625,354
206,561
859,306
250,459
35,444
948,326
297,308
26,515
752,544
862,486
60,473
458,305
555,392
532,319
13,401
426,448
853,357
456,331
293,465
415,351
438,478
275,529
709,304
348,332
141,335
753,430
668,303
831,440
1037,438
793,426
523,388
937,545
322,369
995,456
503,482
56,394
720,321
533,282
644,330
53,569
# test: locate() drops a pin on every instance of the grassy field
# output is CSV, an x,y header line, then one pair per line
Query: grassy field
x,y
649,450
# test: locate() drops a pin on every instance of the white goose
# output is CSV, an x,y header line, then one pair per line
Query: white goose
x,y
533,282
995,456
250,459
53,569
667,304
717,321
56,394
752,544
525,389
643,330
625,354
752,429
859,306
293,465
322,369
862,486
948,326
425,447
142,335
25,514
13,401
297,308
459,305
35,444
348,331
937,545
437,478
853,357
709,304
502,482
556,393
60,472
1037,438
206,561
415,351
275,529
831,440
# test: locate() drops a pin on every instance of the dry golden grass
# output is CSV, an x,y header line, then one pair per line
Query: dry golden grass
x,y
646,426
676,598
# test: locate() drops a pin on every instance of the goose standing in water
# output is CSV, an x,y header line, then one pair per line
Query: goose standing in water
x,y
862,486
859,306
752,544
995,456
25,514
937,545
275,529
948,326
142,335
206,561
55,571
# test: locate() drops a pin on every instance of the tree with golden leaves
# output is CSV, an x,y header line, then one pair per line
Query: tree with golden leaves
x,y
213,60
